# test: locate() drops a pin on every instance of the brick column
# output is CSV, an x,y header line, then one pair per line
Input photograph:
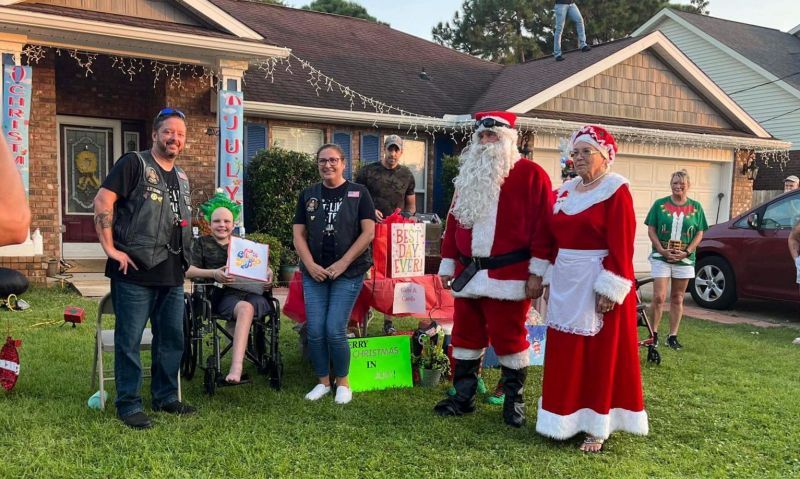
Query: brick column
x,y
742,188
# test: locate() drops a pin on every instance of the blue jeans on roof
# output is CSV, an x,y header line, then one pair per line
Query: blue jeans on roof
x,y
563,12
328,308
133,306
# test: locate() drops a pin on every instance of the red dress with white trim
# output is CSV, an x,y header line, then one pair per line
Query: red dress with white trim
x,y
592,379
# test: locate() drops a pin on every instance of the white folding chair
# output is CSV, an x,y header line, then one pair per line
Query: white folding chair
x,y
104,343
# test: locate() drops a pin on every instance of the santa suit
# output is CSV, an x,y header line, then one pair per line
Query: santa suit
x,y
592,381
493,305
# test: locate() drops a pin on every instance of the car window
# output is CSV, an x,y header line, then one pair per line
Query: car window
x,y
782,214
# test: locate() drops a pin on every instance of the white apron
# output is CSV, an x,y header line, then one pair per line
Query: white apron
x,y
572,304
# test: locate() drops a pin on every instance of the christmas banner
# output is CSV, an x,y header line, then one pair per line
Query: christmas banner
x,y
231,147
16,115
380,362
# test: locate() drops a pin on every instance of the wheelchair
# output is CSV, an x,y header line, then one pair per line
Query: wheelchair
x,y
648,341
207,341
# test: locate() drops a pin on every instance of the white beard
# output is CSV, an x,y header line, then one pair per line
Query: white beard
x,y
482,171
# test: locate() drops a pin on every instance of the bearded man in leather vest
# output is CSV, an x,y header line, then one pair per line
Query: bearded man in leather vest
x,y
142,216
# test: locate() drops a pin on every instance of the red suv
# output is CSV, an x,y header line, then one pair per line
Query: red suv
x,y
748,256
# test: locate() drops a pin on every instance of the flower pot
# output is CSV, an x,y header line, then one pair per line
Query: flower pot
x,y
430,377
287,272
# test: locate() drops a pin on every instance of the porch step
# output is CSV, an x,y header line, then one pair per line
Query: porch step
x,y
87,265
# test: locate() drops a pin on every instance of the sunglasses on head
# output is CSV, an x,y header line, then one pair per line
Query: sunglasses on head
x,y
171,112
490,123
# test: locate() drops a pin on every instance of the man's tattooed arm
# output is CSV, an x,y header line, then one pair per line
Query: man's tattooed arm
x,y
104,219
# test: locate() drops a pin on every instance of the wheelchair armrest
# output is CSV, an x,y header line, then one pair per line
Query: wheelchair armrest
x,y
643,281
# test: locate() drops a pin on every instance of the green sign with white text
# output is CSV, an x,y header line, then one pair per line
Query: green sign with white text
x,y
380,362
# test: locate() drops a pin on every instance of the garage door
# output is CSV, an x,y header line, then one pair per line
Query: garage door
x,y
649,180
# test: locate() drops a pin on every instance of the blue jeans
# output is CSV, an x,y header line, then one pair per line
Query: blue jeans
x,y
133,306
562,13
328,308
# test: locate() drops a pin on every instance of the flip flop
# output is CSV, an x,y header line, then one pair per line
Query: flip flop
x,y
589,443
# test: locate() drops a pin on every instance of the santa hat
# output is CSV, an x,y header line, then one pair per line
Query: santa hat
x,y
599,138
487,120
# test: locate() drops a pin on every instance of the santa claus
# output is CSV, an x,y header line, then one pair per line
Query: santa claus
x,y
495,251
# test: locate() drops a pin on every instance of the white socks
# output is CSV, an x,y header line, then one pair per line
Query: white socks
x,y
318,391
343,395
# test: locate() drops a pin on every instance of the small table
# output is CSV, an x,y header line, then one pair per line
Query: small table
x,y
378,293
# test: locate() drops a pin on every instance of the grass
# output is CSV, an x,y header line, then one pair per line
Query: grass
x,y
725,406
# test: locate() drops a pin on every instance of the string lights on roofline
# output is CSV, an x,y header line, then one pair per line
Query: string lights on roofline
x,y
415,124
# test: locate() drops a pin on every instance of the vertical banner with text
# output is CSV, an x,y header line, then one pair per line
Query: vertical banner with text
x,y
231,147
16,116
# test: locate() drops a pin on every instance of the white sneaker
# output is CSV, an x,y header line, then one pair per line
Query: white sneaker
x,y
318,391
343,395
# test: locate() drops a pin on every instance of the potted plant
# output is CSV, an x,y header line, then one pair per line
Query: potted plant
x,y
432,362
290,263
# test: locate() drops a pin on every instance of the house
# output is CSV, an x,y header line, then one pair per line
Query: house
x,y
101,72
758,67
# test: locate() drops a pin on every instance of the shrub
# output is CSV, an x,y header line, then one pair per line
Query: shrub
x,y
449,172
275,249
275,179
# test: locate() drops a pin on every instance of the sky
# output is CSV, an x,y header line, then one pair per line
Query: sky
x,y
418,17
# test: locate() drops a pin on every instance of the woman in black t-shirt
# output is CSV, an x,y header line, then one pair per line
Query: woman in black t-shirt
x,y
333,227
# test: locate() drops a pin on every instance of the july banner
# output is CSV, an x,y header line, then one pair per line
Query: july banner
x,y
16,115
231,147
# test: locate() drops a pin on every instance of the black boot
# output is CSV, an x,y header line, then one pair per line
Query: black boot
x,y
465,382
514,405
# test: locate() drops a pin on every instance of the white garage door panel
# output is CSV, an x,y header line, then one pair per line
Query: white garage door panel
x,y
649,180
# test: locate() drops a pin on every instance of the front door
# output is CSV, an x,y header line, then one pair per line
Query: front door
x,y
87,152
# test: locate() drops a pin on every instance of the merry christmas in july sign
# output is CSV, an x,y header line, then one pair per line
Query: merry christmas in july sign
x,y
408,250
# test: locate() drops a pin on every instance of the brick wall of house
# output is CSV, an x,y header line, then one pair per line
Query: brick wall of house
x,y
742,188
43,186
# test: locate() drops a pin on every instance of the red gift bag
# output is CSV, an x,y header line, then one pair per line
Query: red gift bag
x,y
295,307
381,249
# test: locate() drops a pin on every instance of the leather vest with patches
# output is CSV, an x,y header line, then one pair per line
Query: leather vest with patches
x,y
347,228
143,224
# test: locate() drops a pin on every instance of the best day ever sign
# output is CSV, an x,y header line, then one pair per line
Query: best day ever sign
x,y
408,250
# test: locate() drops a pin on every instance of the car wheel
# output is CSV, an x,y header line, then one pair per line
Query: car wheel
x,y
714,285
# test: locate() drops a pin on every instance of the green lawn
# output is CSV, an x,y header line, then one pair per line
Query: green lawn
x,y
728,405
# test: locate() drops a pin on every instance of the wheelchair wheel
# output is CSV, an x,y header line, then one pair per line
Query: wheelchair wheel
x,y
276,372
653,356
190,349
210,378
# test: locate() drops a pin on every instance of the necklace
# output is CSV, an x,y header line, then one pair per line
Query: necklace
x,y
584,184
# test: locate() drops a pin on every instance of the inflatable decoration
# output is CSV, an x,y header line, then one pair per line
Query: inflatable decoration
x,y
9,363
12,284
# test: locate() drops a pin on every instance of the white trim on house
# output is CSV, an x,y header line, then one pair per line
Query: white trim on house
x,y
672,56
352,117
113,38
794,31
204,9
221,18
667,13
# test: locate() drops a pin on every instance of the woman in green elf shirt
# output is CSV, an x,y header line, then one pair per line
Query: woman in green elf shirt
x,y
675,225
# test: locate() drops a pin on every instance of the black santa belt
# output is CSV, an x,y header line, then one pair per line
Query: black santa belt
x,y
474,264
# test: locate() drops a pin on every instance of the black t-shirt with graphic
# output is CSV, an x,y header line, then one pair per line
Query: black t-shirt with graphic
x,y
122,180
331,202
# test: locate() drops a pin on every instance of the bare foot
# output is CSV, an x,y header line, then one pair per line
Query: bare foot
x,y
234,375
592,444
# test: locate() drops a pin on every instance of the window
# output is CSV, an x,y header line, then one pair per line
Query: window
x,y
782,214
415,157
304,140
342,138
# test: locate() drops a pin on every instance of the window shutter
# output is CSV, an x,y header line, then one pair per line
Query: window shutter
x,y
370,149
255,139
342,139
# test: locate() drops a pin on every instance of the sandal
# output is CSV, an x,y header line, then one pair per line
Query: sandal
x,y
592,444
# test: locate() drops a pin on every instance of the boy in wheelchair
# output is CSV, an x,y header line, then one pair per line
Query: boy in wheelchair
x,y
209,258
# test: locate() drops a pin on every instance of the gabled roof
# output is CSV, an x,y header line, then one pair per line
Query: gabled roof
x,y
518,83
203,9
541,80
774,51
371,58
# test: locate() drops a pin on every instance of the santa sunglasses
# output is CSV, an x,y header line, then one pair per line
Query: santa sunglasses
x,y
490,123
